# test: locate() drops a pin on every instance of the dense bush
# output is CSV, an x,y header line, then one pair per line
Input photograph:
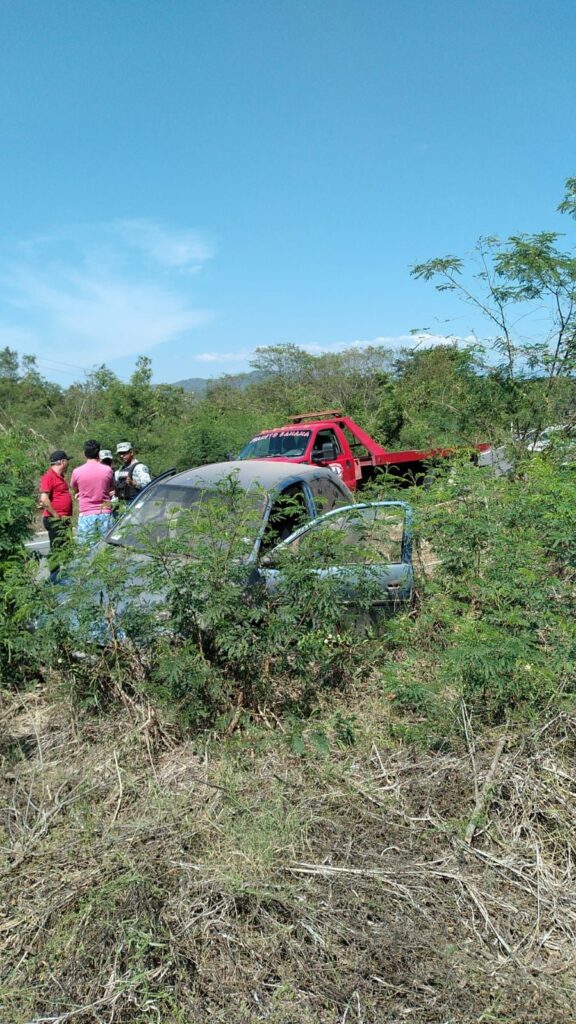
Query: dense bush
x,y
185,621
499,613
187,626
20,463
18,490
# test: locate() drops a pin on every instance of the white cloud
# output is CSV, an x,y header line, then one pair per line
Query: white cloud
x,y
238,356
99,293
185,250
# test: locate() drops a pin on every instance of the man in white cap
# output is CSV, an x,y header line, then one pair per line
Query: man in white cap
x,y
132,475
105,456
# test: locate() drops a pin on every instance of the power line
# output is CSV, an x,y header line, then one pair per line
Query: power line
x,y
58,362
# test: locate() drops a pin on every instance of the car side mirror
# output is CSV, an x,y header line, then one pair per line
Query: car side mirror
x,y
327,453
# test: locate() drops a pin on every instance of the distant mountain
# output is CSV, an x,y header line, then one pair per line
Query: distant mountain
x,y
199,385
196,384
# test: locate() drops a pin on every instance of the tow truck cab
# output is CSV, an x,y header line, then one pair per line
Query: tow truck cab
x,y
330,438
323,438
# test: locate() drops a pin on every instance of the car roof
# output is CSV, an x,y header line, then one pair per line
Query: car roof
x,y
267,473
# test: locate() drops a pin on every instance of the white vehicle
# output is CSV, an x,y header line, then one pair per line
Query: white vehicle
x,y
540,440
500,458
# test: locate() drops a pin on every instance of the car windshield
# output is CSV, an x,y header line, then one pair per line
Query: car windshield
x,y
161,513
277,444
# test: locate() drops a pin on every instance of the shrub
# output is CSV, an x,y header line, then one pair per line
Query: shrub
x,y
185,620
19,652
17,492
504,593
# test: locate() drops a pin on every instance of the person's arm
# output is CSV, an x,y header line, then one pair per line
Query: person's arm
x,y
47,504
141,476
46,492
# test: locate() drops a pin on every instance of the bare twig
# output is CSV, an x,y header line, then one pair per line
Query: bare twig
x,y
120,790
484,795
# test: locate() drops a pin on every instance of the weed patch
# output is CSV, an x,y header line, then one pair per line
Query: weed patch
x,y
244,882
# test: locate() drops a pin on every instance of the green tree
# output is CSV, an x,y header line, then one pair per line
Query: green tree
x,y
356,381
445,396
528,294
9,365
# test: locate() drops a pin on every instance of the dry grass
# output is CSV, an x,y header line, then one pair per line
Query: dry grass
x,y
144,881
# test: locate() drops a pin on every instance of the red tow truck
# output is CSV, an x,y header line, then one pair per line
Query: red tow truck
x,y
329,438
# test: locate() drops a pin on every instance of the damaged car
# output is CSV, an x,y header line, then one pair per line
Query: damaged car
x,y
258,518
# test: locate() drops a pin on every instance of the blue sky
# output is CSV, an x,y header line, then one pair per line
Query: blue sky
x,y
190,180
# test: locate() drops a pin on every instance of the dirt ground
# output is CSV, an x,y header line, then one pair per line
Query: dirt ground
x,y
147,879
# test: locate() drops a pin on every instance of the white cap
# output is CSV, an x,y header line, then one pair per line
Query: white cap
x,y
124,446
105,453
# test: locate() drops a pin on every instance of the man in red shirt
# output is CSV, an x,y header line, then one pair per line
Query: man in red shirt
x,y
56,501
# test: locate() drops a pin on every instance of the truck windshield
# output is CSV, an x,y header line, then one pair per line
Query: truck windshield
x,y
277,444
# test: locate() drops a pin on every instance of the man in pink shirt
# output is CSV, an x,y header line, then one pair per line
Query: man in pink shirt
x,y
93,483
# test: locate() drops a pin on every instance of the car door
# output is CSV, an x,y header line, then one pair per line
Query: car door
x,y
341,463
366,548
